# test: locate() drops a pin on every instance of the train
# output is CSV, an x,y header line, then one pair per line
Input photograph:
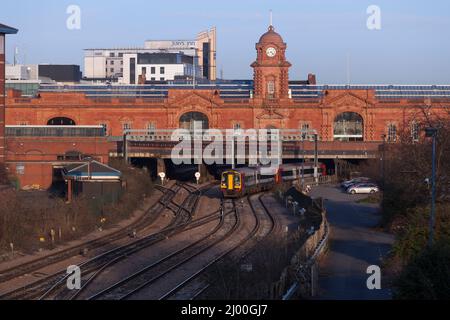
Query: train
x,y
240,182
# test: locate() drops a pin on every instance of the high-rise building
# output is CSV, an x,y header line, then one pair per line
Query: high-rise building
x,y
206,46
109,64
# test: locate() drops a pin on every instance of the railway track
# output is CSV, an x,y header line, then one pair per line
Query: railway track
x,y
54,286
229,221
94,267
193,287
126,288
151,274
145,220
267,224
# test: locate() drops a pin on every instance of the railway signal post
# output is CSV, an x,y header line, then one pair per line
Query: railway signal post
x,y
162,175
198,176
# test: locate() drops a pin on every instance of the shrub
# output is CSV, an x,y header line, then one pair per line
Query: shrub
x,y
427,276
27,216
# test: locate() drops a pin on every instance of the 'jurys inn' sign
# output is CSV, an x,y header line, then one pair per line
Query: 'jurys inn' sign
x,y
171,44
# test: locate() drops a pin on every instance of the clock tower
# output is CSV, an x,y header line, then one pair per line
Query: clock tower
x,y
271,70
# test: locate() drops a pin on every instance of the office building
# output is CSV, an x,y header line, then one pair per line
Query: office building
x,y
109,65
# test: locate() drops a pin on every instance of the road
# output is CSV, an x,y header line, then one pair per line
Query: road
x,y
355,244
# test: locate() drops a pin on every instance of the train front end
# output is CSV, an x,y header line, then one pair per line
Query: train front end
x,y
231,184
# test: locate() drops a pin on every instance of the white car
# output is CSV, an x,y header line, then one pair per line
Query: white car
x,y
363,188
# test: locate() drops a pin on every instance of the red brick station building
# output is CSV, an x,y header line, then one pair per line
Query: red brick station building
x,y
61,123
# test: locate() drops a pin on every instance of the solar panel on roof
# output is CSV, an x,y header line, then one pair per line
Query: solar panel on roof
x,y
242,88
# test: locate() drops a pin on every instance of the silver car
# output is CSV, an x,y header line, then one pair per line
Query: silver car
x,y
349,183
363,188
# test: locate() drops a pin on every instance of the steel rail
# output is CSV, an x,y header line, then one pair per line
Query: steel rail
x,y
252,234
120,285
226,236
146,219
97,265
32,290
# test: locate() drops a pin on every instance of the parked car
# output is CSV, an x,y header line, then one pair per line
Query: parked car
x,y
363,188
348,183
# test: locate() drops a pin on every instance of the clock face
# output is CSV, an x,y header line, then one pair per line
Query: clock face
x,y
271,52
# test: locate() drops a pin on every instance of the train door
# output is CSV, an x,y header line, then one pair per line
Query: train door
x,y
230,181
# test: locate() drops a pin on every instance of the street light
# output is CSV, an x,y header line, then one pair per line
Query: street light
x,y
383,136
316,158
303,161
432,133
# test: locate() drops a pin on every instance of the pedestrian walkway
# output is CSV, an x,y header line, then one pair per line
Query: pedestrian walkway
x,y
355,244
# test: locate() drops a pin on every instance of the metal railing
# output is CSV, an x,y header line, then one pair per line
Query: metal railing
x,y
167,134
55,131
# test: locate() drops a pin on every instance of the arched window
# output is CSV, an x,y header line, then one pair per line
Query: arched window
x,y
271,89
392,132
415,129
151,128
348,126
61,121
304,130
191,120
126,126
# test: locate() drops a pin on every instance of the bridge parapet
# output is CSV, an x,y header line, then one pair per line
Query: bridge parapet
x,y
291,150
207,135
55,131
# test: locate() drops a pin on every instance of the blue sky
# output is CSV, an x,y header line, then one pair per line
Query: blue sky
x,y
412,46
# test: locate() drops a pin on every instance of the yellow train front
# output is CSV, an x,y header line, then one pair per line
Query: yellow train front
x,y
244,181
232,184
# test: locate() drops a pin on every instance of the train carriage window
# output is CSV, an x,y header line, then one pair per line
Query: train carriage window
x,y
308,171
288,173
265,178
250,179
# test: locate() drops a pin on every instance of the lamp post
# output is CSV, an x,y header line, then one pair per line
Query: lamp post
x,y
383,136
303,160
432,133
316,158
194,72
233,151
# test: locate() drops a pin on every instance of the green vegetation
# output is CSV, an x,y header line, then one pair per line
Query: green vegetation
x,y
372,199
28,218
272,270
423,272
427,276
138,185
413,231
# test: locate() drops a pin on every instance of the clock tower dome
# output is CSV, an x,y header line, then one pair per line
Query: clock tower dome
x,y
271,70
